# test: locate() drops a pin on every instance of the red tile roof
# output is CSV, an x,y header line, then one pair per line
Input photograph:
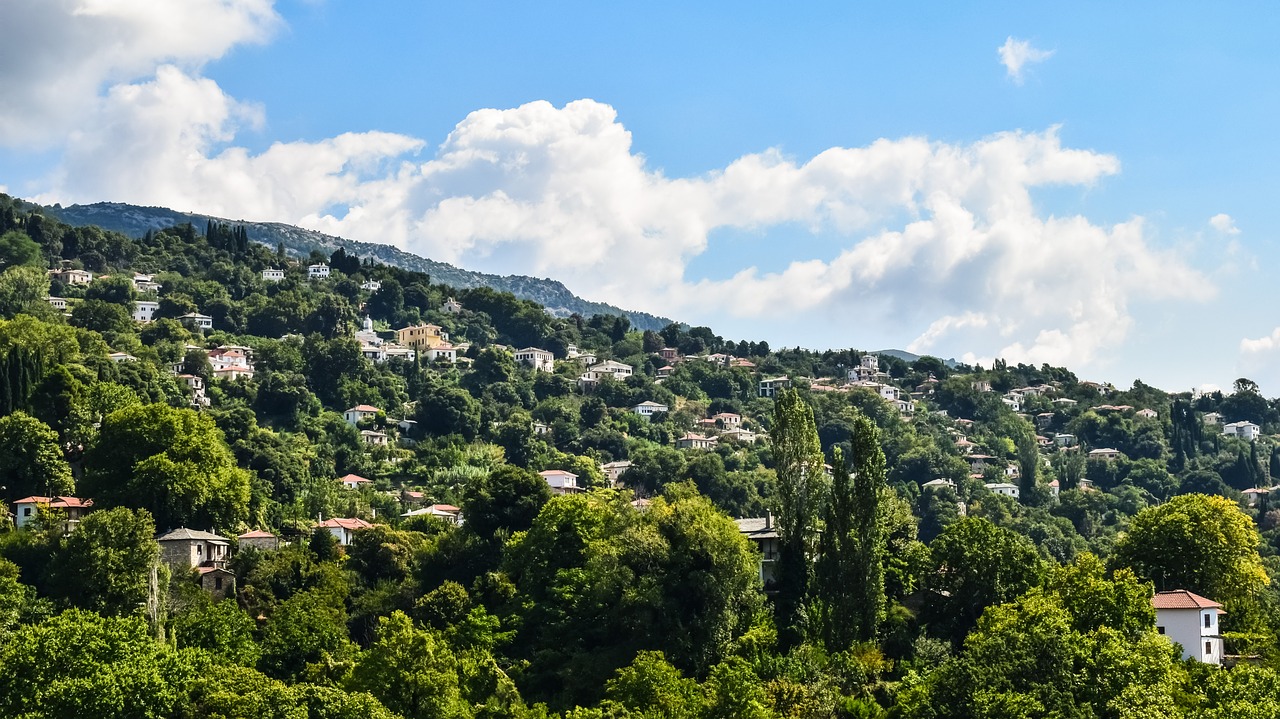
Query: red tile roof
x,y
355,478
445,508
1182,599
57,502
257,534
345,523
364,408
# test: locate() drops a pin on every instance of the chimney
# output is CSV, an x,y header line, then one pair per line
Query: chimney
x,y
768,520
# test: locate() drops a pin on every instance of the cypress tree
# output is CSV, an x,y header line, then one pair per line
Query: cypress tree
x,y
801,481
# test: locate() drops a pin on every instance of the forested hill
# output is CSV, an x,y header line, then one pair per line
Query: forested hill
x,y
135,221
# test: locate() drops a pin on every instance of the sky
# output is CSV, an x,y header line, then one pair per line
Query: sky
x,y
1089,186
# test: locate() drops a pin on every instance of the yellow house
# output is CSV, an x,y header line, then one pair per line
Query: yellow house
x,y
421,336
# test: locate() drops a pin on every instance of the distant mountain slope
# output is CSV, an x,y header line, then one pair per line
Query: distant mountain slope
x,y
909,357
134,220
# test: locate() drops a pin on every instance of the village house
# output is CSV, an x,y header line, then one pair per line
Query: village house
x,y
613,471
1043,420
405,353
373,438
258,539
442,353
539,359
318,272
272,275
738,434
1192,622
1147,413
647,409
354,481
1055,488
727,420
371,286
1105,453
71,277
1254,495
560,481
1248,431
145,310
121,357
619,370
978,462
695,441
1004,488
26,510
669,354
663,372
938,483
868,370
769,387
58,303
360,413
1064,440
196,321
145,283
196,385
344,529
452,306
421,336
1212,418
763,532
185,549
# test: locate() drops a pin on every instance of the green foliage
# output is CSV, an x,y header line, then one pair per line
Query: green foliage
x,y
109,564
411,671
799,463
173,462
506,500
16,248
31,460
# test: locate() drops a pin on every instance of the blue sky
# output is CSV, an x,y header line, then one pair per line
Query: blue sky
x,y
827,176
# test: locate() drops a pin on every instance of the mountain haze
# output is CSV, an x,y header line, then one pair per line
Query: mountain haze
x,y
135,221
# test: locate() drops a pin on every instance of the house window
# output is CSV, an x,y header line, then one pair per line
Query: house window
x,y
1208,648
26,511
217,583
1160,629
199,550
1208,621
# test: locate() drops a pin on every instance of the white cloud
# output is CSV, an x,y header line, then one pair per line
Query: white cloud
x,y
58,55
1268,343
942,241
1016,55
1224,223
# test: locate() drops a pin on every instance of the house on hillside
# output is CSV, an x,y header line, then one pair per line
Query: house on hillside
x,y
763,532
613,471
648,408
196,321
770,387
355,481
1248,431
1004,488
421,336
272,275
560,481
539,359
1147,413
359,413
318,272
696,441
1191,621
344,528
185,549
72,277
258,539
1105,453
26,510
145,310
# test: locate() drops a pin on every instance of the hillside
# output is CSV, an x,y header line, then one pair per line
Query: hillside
x,y
134,221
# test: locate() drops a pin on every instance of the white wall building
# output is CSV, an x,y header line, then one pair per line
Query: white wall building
x,y
272,275
648,408
560,481
539,359
318,272
1245,430
145,310
1192,621
1008,490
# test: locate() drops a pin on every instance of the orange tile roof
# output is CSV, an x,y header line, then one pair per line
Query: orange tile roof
x,y
1182,599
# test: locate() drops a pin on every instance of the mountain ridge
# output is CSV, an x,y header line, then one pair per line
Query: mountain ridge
x,y
136,220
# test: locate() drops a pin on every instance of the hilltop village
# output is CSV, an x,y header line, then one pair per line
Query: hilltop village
x,y
239,482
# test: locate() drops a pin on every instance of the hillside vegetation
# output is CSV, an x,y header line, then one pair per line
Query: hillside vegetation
x,y
420,524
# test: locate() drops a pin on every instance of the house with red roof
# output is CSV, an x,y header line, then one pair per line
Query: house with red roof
x,y
359,413
259,539
26,510
355,481
344,528
1191,621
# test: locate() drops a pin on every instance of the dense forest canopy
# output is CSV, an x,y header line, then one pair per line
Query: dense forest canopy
x,y
503,513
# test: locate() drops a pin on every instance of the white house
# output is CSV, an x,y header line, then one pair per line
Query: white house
x,y
539,359
769,387
619,370
145,283
122,357
1105,453
727,420
372,438
442,353
695,441
648,408
371,286
1064,440
1243,429
318,272
272,275
58,303
145,310
1008,490
359,413
1147,413
1212,418
344,529
738,434
354,481
938,483
613,471
560,481
197,321
72,277
1192,621
452,306
26,510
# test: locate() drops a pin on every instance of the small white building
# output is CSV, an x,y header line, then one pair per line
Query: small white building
x,y
145,310
1248,431
371,286
560,481
354,481
769,387
648,408
72,277
318,272
1105,453
613,471
1212,418
26,510
441,353
373,439
938,483
1008,490
359,413
58,303
696,441
619,370
122,357
1147,413
539,359
145,283
452,306
1191,621
344,529
272,275
195,320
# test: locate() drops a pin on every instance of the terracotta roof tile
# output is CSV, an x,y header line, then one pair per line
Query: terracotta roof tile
x,y
1182,599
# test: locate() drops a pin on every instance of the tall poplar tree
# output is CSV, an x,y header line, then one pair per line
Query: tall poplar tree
x,y
850,570
798,463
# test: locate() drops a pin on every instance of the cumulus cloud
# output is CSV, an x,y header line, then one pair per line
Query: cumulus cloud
x,y
941,240
1016,55
1224,223
1268,343
59,55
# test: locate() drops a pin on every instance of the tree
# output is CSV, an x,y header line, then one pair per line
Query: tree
x,y
801,483
16,248
108,563
31,460
1200,543
506,501
100,316
976,564
173,462
23,289
411,671
220,628
849,576
308,628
